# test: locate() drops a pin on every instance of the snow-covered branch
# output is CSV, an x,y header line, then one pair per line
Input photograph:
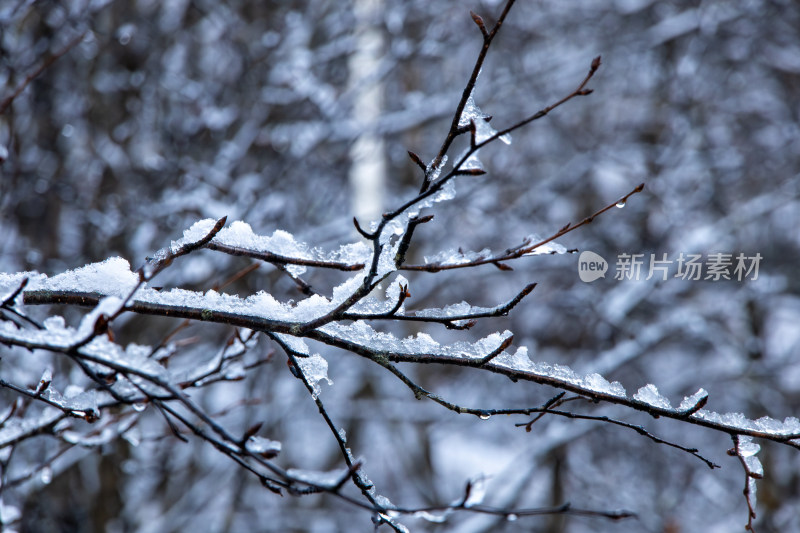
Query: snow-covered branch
x,y
99,384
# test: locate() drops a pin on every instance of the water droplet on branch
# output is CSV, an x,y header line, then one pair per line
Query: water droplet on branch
x,y
46,475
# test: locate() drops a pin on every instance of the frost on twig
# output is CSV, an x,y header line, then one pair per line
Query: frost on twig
x,y
745,450
282,248
123,383
339,320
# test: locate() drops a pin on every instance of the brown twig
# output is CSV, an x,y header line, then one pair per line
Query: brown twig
x,y
269,257
579,91
501,310
750,478
525,248
488,37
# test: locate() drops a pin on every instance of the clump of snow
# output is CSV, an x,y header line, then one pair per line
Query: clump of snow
x,y
519,361
112,277
477,493
447,192
315,369
390,514
789,426
10,283
732,420
240,234
457,257
83,402
690,402
551,247
463,310
753,492
316,477
198,231
649,394
361,333
296,344
471,162
262,446
598,383
56,334
353,253
433,172
393,229
748,450
283,243
54,323
431,517
261,304
374,306
471,112
483,131
108,306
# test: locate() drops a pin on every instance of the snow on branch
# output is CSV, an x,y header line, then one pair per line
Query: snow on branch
x,y
532,245
518,366
282,248
124,381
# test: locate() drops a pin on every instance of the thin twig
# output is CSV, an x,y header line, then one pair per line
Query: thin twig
x,y
748,480
525,248
488,37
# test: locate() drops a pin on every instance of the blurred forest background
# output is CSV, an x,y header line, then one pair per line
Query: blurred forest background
x,y
169,112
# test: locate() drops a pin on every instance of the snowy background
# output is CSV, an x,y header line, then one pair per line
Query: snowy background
x,y
171,112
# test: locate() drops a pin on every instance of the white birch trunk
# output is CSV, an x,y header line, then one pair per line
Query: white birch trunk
x,y
367,155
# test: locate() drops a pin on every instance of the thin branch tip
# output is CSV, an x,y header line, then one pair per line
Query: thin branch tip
x,y
422,220
479,21
13,295
528,288
470,172
211,234
362,231
418,160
